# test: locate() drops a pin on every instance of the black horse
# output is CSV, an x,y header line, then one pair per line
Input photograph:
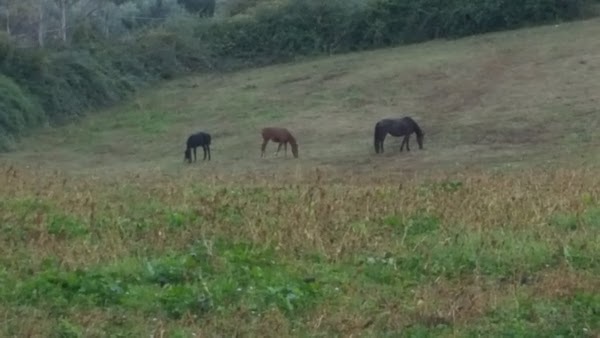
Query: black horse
x,y
196,140
397,127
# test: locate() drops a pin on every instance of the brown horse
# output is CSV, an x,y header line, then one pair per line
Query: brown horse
x,y
281,136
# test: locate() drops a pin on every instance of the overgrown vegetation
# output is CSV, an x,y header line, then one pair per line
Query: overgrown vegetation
x,y
96,70
492,254
127,241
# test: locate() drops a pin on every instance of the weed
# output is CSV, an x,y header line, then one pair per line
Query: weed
x,y
66,226
565,221
592,217
66,329
241,257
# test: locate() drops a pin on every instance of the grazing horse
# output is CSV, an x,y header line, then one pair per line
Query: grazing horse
x,y
196,140
397,127
281,136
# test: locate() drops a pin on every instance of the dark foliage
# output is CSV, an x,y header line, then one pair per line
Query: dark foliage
x,y
202,7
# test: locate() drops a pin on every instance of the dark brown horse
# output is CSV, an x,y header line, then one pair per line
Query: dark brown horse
x,y
200,139
404,126
281,136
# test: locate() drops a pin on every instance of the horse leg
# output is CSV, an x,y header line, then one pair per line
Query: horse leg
x,y
188,155
208,149
407,142
204,150
263,147
278,148
403,142
285,149
194,154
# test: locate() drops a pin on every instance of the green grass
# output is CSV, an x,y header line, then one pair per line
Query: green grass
x,y
104,231
436,257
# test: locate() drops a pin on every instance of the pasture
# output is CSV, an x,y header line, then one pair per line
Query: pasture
x,y
489,230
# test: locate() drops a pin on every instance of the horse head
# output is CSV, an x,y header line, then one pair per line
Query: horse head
x,y
420,140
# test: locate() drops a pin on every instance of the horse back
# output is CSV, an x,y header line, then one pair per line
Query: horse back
x,y
272,133
412,124
207,138
197,139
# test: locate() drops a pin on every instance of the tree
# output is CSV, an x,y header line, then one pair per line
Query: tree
x,y
63,5
235,7
202,7
74,12
5,10
24,20
41,27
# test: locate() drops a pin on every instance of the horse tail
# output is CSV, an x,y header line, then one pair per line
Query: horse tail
x,y
208,139
376,136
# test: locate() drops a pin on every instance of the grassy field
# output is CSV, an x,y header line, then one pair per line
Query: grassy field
x,y
491,230
467,255
520,98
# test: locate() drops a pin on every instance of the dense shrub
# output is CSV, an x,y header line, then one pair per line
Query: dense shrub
x,y
302,27
89,82
18,111
56,85
277,33
395,21
236,7
202,7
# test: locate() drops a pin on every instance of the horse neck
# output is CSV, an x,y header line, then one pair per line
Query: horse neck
x,y
292,140
418,130
416,127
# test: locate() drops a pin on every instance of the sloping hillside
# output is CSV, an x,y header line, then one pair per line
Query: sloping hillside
x,y
521,98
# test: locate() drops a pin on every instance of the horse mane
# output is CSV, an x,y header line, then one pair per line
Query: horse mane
x,y
418,130
292,139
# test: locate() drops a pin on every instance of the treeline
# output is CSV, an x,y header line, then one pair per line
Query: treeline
x,y
40,85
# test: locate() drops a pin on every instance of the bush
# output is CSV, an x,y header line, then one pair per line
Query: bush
x,y
235,7
74,81
18,111
280,33
308,27
395,21
202,7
